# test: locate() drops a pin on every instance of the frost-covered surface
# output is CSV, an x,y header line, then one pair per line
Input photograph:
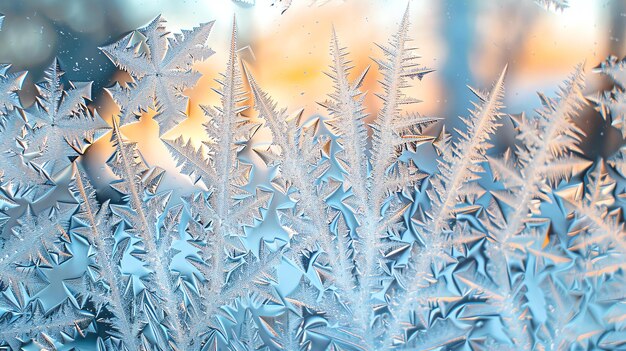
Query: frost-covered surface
x,y
514,250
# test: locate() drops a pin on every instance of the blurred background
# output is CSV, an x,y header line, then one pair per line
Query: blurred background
x,y
466,42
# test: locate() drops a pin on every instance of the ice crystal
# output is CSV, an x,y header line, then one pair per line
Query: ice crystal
x,y
12,125
59,119
346,244
612,104
161,67
11,84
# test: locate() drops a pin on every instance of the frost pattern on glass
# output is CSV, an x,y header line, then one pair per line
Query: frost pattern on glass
x,y
347,245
